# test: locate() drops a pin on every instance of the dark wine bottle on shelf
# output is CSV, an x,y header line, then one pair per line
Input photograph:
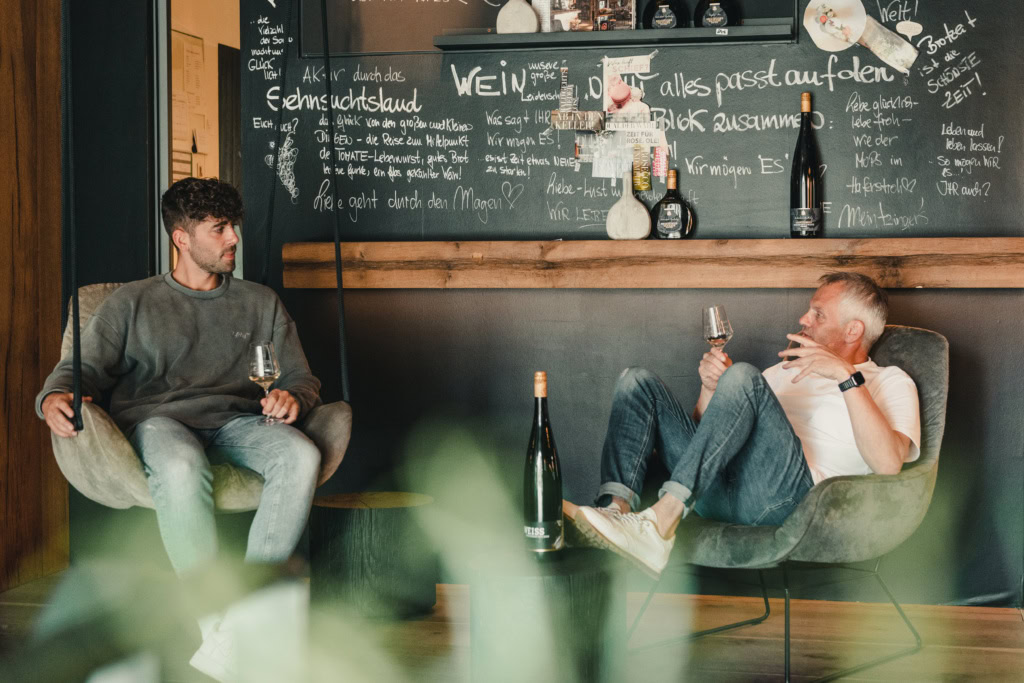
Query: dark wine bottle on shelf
x,y
665,14
716,14
805,191
672,216
542,481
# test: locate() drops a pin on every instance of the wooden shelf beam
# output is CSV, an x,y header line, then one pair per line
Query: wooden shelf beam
x,y
605,264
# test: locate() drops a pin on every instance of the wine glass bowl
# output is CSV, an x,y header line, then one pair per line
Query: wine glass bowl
x,y
717,328
264,369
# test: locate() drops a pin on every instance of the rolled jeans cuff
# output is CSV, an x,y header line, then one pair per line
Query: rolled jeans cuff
x,y
613,488
677,490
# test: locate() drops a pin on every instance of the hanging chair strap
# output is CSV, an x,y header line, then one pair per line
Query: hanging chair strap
x,y
343,354
268,231
69,246
268,227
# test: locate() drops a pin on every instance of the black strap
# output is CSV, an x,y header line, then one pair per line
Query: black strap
x,y
343,354
268,227
70,255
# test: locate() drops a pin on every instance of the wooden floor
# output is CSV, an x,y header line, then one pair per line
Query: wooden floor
x,y
961,643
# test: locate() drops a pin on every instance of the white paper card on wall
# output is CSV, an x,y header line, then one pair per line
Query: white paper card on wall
x,y
193,68
638,64
179,118
647,138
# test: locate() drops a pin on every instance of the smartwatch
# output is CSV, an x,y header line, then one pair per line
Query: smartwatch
x,y
856,380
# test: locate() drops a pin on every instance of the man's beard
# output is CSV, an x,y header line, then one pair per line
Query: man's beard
x,y
213,265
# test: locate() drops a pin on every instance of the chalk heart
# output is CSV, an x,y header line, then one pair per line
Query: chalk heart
x,y
270,160
511,192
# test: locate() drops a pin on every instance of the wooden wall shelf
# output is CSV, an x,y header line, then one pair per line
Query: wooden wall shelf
x,y
975,262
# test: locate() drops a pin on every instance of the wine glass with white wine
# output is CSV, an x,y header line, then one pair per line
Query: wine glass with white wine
x,y
264,370
717,328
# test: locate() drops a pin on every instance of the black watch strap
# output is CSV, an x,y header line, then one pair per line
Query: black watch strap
x,y
855,380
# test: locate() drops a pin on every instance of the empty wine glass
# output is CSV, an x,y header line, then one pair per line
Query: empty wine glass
x,y
264,370
717,328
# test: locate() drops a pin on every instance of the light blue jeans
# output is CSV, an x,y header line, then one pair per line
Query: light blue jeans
x,y
181,482
741,463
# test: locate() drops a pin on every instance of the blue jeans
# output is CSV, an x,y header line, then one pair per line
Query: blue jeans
x,y
180,479
741,463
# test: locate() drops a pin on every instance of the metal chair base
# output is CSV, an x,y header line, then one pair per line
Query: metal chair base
x,y
697,634
873,572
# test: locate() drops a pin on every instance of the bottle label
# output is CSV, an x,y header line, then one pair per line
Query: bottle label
x,y
805,221
715,15
543,536
664,17
641,168
670,220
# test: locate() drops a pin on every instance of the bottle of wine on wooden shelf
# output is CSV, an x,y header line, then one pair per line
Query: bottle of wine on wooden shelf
x,y
805,190
665,14
672,216
542,480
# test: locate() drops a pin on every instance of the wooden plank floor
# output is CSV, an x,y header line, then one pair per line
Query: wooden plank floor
x,y
961,643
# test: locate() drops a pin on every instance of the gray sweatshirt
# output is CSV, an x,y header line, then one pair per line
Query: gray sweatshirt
x,y
157,348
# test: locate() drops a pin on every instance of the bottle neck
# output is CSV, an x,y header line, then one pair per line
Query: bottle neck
x,y
540,410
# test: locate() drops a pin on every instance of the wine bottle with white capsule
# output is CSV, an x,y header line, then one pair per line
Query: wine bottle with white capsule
x,y
805,190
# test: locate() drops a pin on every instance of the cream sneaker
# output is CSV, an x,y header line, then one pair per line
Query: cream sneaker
x,y
633,535
216,656
579,534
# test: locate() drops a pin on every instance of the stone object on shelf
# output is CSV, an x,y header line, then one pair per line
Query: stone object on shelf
x,y
517,16
628,218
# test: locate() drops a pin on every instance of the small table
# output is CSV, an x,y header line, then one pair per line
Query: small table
x,y
558,618
367,551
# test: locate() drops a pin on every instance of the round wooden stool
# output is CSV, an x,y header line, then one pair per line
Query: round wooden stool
x,y
367,551
561,619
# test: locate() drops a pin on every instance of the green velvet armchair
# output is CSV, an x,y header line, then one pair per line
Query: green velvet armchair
x,y
103,466
843,520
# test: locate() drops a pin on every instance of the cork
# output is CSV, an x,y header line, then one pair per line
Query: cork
x,y
540,384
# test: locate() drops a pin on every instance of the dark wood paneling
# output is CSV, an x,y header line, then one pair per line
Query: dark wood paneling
x,y
33,495
229,117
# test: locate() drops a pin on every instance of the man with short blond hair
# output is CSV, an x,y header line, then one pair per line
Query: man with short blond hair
x,y
756,442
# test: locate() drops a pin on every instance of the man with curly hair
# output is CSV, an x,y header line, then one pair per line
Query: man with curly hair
x,y
170,353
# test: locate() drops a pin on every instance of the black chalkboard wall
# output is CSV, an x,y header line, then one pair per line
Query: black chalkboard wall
x,y
455,145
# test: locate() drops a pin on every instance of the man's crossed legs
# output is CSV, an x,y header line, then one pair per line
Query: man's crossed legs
x,y
741,463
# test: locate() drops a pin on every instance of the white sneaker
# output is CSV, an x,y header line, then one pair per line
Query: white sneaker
x,y
633,535
216,656
579,534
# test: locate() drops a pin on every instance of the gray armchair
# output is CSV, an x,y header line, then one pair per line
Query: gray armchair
x,y
842,520
103,466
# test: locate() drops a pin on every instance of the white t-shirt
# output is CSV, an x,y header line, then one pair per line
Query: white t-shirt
x,y
817,410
